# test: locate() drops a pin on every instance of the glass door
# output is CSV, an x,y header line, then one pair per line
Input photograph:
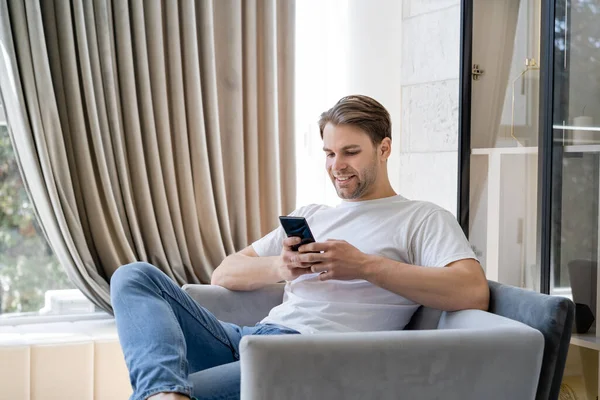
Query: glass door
x,y
570,181
575,177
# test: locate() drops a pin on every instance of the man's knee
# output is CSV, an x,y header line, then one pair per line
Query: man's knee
x,y
133,274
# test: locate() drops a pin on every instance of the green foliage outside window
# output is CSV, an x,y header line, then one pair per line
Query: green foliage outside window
x,y
28,267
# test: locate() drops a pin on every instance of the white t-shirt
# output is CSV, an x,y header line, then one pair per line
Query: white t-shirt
x,y
412,232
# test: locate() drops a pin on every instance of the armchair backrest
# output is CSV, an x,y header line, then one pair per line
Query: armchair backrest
x,y
239,307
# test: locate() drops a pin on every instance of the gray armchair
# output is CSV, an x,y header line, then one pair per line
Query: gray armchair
x,y
515,351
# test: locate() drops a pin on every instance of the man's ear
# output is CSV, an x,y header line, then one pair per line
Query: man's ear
x,y
385,148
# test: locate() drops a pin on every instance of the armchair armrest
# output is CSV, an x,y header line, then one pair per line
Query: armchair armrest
x,y
551,315
241,308
495,364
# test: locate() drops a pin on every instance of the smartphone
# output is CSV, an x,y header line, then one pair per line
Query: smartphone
x,y
297,227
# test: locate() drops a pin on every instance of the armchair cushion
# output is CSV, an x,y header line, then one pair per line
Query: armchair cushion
x,y
424,318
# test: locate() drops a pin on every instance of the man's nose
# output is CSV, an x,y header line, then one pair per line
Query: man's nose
x,y
338,164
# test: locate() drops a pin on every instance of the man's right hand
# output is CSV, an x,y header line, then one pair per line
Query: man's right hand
x,y
287,265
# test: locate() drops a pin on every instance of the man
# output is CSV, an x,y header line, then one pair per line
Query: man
x,y
377,257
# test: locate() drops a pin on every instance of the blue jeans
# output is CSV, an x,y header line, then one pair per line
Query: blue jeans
x,y
170,342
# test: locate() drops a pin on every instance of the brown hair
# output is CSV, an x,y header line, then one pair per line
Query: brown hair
x,y
363,112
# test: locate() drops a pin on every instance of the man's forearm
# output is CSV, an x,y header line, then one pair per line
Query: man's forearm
x,y
241,272
445,288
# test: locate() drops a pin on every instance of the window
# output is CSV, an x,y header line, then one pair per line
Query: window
x,y
32,281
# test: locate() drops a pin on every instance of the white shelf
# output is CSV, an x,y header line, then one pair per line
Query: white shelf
x,y
570,148
587,340
582,148
505,150
577,128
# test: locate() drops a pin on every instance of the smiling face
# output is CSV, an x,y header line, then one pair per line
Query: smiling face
x,y
356,166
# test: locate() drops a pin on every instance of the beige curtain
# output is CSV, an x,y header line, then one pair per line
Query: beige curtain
x,y
150,130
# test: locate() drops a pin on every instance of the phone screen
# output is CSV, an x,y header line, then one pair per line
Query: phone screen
x,y
298,227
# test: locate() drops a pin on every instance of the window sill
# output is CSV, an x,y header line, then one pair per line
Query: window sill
x,y
45,319
43,333
59,332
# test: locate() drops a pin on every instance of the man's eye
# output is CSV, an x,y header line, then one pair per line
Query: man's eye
x,y
352,153
329,155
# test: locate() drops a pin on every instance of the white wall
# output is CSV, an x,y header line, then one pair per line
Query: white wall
x,y
405,54
321,80
374,59
429,90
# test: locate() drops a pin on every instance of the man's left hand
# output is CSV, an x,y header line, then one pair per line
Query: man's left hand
x,y
334,259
